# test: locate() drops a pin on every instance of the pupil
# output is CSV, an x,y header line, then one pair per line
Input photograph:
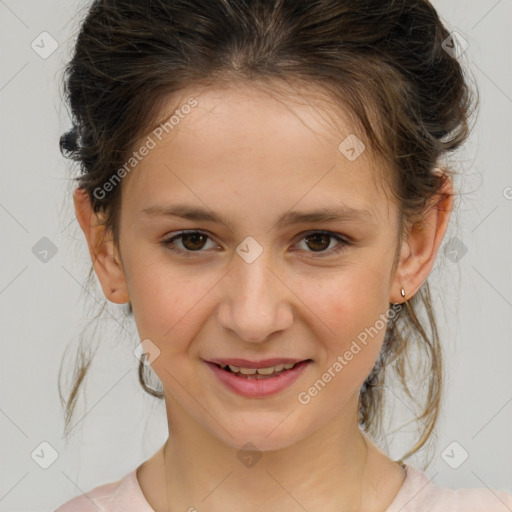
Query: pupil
x,y
316,237
193,236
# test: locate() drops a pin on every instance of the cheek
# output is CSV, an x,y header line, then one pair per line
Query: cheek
x,y
355,311
164,302
349,357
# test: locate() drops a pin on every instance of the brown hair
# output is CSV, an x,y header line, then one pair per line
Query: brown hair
x,y
382,61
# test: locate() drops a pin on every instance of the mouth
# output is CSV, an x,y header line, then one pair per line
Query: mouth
x,y
258,370
258,379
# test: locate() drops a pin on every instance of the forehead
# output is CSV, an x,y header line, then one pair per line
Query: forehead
x,y
249,142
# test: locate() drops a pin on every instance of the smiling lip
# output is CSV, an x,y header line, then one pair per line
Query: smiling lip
x,y
251,387
263,363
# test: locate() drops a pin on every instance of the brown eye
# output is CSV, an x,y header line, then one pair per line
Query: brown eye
x,y
318,241
191,241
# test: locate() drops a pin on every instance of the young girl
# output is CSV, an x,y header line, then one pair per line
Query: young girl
x,y
262,185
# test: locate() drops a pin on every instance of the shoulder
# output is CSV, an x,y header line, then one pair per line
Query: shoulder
x,y
117,496
99,497
419,493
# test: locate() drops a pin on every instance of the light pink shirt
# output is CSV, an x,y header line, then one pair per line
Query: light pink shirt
x,y
417,494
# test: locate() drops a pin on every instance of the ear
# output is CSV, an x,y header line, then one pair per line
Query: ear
x,y
419,249
106,261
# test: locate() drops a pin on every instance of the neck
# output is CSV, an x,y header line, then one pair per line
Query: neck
x,y
335,468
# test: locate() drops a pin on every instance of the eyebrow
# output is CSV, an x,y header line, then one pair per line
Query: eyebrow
x,y
325,214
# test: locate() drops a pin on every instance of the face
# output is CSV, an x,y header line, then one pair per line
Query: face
x,y
263,282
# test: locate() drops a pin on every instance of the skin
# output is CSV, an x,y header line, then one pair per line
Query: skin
x,y
240,149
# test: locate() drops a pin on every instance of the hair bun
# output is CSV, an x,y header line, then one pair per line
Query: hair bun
x,y
68,142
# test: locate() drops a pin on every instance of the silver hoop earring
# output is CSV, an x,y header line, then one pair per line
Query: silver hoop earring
x,y
402,292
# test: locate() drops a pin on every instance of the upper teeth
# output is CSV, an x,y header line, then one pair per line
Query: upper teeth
x,y
260,371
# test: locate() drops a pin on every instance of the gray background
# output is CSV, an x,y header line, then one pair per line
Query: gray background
x,y
43,307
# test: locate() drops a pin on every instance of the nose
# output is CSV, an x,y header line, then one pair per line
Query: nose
x,y
255,300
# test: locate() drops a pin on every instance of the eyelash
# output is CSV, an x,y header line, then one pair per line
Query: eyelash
x,y
168,243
